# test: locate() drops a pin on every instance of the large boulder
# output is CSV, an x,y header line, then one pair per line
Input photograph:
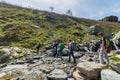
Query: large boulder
x,y
94,30
108,74
35,75
4,56
90,69
115,66
57,74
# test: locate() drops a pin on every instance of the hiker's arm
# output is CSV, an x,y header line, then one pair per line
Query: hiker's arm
x,y
102,44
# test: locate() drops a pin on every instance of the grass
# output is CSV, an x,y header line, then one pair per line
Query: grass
x,y
115,59
17,23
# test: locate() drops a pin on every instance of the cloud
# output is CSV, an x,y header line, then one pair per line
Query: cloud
x,y
92,9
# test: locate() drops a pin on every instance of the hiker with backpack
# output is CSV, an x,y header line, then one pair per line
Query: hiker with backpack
x,y
71,48
103,49
61,46
55,47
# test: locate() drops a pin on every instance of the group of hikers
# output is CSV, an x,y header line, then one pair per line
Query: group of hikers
x,y
58,47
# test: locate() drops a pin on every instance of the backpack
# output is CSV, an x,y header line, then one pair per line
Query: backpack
x,y
74,46
61,46
107,43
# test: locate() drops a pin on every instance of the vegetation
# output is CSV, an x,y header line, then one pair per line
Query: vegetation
x,y
25,27
111,19
115,58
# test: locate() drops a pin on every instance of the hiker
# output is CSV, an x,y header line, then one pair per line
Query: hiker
x,y
37,47
55,47
60,49
102,51
70,46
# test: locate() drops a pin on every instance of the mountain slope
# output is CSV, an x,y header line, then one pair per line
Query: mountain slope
x,y
25,27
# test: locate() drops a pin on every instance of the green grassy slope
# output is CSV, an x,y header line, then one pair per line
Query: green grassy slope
x,y
24,27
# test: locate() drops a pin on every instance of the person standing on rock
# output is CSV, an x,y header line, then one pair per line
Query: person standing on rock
x,y
55,47
70,46
61,46
103,50
38,47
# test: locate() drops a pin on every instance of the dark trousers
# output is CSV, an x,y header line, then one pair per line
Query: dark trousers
x,y
37,50
55,53
71,54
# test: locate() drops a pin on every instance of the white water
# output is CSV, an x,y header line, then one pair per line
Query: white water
x,y
86,49
115,45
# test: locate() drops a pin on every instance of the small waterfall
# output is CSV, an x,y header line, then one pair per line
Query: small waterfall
x,y
115,45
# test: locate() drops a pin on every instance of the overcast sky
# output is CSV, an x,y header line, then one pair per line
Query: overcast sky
x,y
91,9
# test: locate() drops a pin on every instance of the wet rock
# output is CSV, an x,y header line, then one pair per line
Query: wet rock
x,y
57,74
108,74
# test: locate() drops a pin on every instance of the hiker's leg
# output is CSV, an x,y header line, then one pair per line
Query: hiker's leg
x,y
101,57
106,56
69,56
37,50
73,57
61,54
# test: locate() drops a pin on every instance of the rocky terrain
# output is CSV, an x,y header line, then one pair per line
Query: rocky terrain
x,y
23,27
32,66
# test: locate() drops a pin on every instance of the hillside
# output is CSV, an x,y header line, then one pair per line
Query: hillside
x,y
25,27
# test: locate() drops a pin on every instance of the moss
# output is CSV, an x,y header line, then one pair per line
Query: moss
x,y
115,58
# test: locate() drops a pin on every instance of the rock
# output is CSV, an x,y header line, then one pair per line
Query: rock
x,y
90,69
118,56
115,52
65,52
35,75
95,29
46,68
4,56
16,49
3,65
108,74
2,74
77,76
115,66
6,50
116,38
50,52
36,57
20,62
57,74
